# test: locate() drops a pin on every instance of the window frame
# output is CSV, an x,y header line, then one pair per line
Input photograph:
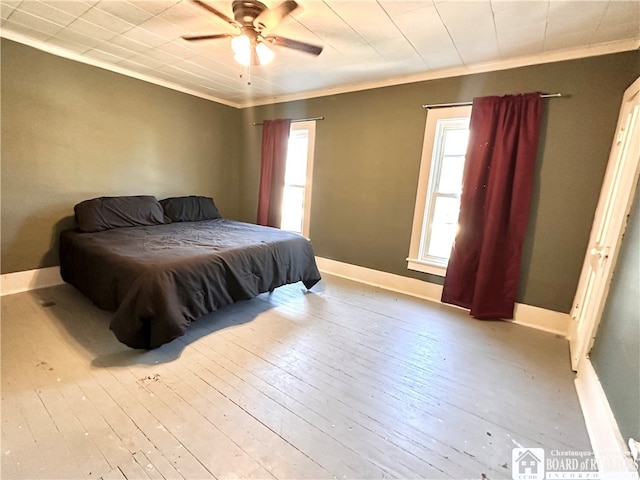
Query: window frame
x,y
426,182
310,126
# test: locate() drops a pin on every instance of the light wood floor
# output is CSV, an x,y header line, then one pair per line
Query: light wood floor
x,y
348,381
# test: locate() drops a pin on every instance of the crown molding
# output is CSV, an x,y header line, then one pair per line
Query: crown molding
x,y
524,61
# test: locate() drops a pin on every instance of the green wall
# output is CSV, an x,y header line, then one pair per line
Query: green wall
x,y
368,157
616,351
71,132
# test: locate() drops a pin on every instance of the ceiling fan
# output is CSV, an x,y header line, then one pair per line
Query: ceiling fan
x,y
252,19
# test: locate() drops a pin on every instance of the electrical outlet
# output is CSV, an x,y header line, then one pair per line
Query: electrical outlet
x,y
634,447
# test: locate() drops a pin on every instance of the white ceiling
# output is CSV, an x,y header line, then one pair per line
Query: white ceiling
x,y
366,43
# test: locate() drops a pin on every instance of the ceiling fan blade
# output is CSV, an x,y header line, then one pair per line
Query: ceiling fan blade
x,y
271,17
294,44
207,37
216,12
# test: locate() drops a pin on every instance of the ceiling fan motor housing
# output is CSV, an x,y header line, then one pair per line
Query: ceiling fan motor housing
x,y
246,11
253,19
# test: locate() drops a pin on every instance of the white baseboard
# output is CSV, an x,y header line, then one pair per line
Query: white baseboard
x,y
542,319
535,317
528,315
607,443
17,282
376,278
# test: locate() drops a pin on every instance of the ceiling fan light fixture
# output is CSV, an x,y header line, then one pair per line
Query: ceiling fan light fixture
x,y
241,46
243,59
265,54
250,45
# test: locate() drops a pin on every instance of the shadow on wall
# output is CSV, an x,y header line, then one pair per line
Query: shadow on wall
x,y
27,243
529,239
50,257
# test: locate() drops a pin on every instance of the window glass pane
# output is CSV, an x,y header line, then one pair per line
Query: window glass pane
x,y
440,245
450,180
296,169
292,209
435,220
455,141
443,226
296,199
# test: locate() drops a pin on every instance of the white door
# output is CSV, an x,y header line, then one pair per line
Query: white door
x,y
608,227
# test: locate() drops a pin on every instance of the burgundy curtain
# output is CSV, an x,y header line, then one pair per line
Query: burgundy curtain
x,y
275,138
484,267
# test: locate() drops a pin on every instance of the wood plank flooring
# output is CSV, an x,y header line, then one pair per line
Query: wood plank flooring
x,y
345,381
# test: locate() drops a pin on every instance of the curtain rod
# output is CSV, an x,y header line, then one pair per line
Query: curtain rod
x,y
296,121
464,104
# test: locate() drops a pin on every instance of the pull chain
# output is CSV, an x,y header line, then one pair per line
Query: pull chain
x,y
242,75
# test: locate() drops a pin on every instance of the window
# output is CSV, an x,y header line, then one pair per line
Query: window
x,y
435,219
296,199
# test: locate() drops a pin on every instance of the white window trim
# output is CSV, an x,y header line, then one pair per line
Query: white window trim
x,y
413,260
311,142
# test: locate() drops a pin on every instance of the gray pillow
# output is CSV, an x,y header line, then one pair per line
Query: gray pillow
x,y
105,213
190,209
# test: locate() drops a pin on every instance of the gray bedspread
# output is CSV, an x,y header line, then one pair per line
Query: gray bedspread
x,y
158,279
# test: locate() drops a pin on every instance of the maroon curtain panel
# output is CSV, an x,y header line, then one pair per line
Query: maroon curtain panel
x,y
484,267
275,138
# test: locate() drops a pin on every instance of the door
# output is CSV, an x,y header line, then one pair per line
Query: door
x,y
608,227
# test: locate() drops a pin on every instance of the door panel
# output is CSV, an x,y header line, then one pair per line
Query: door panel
x,y
608,227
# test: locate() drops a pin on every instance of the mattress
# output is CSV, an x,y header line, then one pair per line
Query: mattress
x,y
160,278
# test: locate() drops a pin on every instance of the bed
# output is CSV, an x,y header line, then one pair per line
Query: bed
x,y
161,265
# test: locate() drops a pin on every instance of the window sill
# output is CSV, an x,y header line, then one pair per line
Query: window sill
x,y
424,267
